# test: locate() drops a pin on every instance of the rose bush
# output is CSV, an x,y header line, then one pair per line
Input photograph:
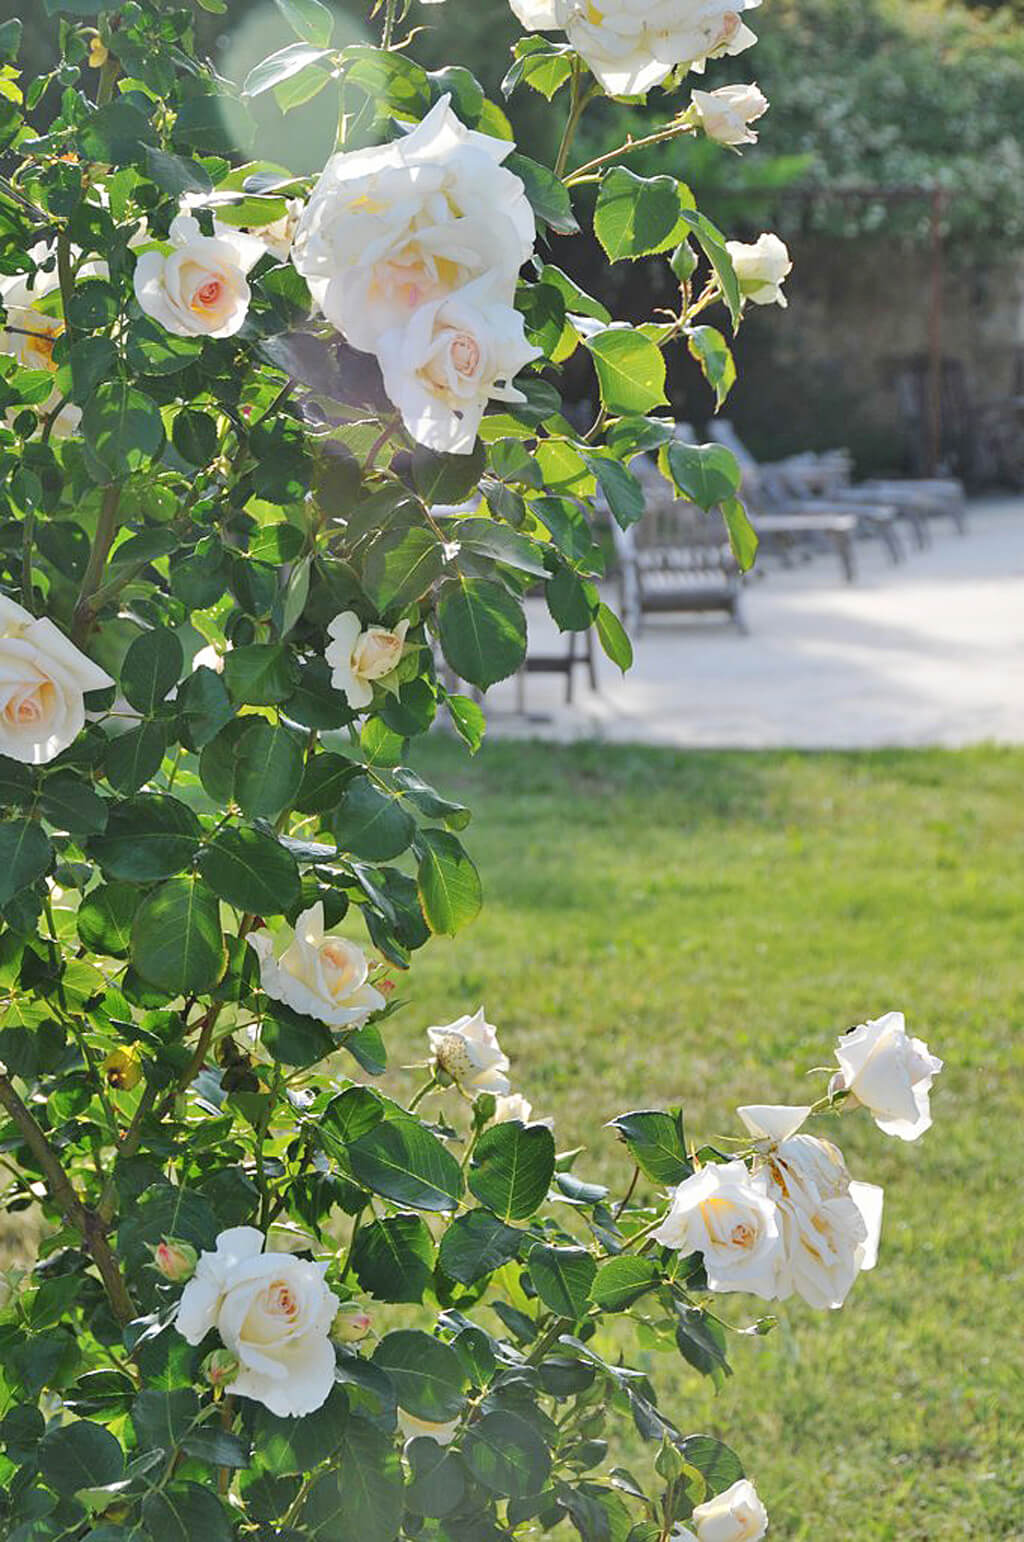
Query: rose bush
x,y
280,459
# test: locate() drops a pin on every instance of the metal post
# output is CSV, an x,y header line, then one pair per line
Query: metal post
x,y
933,402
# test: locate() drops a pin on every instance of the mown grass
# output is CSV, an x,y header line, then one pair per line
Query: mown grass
x,y
696,927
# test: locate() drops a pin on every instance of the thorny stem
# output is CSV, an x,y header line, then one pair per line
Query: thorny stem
x,y
582,96
421,1094
27,536
629,144
624,1201
106,529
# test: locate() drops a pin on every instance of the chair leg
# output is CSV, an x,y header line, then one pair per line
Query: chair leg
x,y
521,691
847,560
892,541
591,660
570,669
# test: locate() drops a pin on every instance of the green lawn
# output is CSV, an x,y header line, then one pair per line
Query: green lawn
x,y
697,927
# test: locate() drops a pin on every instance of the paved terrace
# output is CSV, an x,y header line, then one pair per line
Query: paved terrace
x,y
927,653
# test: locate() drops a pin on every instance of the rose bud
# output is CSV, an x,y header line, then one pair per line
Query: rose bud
x,y
352,1323
176,1261
220,1368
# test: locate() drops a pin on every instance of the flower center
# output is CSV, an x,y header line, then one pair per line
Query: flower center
x,y
465,354
743,1235
39,348
207,295
29,707
281,1302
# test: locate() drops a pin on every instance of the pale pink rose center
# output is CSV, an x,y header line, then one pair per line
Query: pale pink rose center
x,y
339,969
465,354
30,706
281,1302
207,295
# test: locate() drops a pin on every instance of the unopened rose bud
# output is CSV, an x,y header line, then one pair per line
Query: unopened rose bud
x,y
683,262
98,53
122,1070
221,1368
176,1261
351,1324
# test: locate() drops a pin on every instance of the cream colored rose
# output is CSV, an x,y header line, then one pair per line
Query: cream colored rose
x,y
199,287
830,1225
468,1051
273,1312
515,1106
536,15
394,227
631,47
43,681
724,1213
452,357
418,1429
359,657
319,974
726,114
761,269
737,1515
890,1073
35,322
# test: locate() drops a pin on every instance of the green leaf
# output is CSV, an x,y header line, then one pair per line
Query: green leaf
x,y
281,66
713,244
295,1040
218,1448
149,837
268,770
476,1244
742,535
116,133
512,1168
440,478
185,1513
204,705
621,488
194,436
285,1446
25,855
260,674
657,1143
621,1281
630,371
393,1258
506,1455
455,815
438,1483
710,349
134,758
152,667
162,1415
401,566
562,1277
547,193
613,637
705,473
427,1375
449,885
80,1455
174,174
468,720
177,943
122,428
719,1466
402,1160
251,871
482,628
361,1495
371,824
636,216
308,19
105,919
701,1341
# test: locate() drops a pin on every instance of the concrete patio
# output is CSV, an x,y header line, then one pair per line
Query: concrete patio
x,y
927,653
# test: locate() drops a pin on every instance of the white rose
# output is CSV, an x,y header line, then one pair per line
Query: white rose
x,y
209,658
515,1106
391,228
725,1213
536,15
468,1051
761,269
415,1429
735,1516
318,974
359,657
890,1073
444,366
726,114
34,323
199,288
43,680
273,1312
631,47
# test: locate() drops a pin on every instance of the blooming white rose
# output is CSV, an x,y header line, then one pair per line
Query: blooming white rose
x,y
468,1051
724,1213
415,1429
273,1312
830,1225
199,288
318,974
761,269
633,46
391,228
890,1073
726,114
359,657
737,1515
449,360
43,680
